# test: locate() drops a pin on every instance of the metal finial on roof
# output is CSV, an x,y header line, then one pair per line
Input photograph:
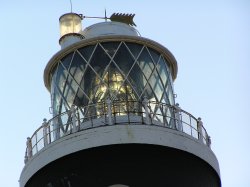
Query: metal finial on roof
x,y
124,18
106,15
71,6
119,17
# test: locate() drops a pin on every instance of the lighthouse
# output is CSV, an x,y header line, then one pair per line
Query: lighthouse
x,y
115,122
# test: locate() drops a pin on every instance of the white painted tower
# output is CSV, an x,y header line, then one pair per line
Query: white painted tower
x,y
115,121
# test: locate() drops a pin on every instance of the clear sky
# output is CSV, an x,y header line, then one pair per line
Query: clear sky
x,y
209,39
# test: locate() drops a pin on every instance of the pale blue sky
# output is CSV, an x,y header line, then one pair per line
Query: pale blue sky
x,y
209,39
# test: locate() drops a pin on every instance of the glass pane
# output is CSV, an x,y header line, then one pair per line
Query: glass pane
x,y
99,61
149,93
134,49
67,60
146,60
56,102
70,91
81,99
64,106
110,47
137,79
77,68
87,51
61,77
155,55
163,73
170,95
123,59
146,68
89,82
156,86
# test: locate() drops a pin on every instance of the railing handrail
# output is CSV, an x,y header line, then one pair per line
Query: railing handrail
x,y
170,116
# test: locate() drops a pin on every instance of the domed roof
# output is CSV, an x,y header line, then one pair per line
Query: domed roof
x,y
108,28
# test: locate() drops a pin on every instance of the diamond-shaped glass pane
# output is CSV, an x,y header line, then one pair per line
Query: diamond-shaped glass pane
x,y
81,99
155,55
66,61
149,93
135,49
77,68
146,64
123,59
87,51
170,95
90,82
53,82
70,90
56,100
156,85
163,73
110,47
61,77
64,106
99,61
137,79
116,87
145,67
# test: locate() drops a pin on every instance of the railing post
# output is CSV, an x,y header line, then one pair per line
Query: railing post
x,y
26,157
199,128
56,128
45,132
178,118
73,116
108,101
145,105
29,148
208,141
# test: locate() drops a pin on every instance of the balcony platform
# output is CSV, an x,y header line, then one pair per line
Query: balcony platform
x,y
139,152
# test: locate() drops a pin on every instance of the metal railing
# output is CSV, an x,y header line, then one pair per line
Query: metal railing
x,y
115,113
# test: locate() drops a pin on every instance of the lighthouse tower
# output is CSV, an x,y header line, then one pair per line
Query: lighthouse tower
x,y
115,122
